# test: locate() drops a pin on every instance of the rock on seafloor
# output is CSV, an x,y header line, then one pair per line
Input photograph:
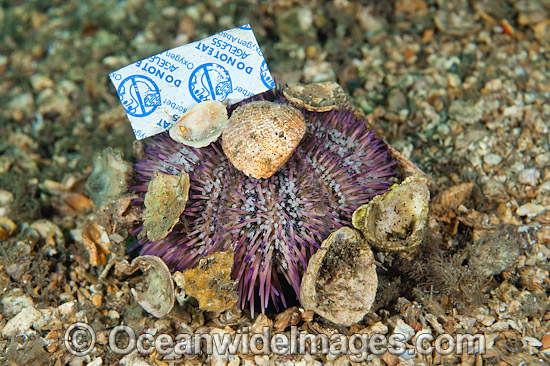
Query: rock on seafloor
x,y
340,282
261,136
396,220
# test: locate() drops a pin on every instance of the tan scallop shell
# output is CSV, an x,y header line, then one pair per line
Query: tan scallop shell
x,y
261,136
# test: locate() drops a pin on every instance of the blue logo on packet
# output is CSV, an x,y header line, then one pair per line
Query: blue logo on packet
x,y
210,81
245,26
140,96
266,76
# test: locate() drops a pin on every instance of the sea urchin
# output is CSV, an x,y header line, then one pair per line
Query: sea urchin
x,y
273,225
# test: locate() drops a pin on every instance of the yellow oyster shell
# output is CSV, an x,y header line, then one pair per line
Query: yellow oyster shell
x,y
396,220
261,136
210,282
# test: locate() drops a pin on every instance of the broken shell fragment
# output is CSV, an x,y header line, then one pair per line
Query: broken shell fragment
x,y
109,178
320,97
201,125
210,282
340,282
164,203
96,241
395,221
155,293
261,136
7,227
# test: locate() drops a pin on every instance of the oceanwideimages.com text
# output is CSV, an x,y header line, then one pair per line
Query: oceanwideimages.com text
x,y
80,339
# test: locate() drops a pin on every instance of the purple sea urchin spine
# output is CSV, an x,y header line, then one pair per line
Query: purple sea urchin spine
x,y
273,225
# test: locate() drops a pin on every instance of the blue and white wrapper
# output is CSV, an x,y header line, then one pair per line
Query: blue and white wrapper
x,y
155,92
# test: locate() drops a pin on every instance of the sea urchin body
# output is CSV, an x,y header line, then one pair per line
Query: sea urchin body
x,y
273,225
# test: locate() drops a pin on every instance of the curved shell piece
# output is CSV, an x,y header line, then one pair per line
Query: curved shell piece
x,y
261,136
154,291
340,282
395,221
320,97
201,125
165,201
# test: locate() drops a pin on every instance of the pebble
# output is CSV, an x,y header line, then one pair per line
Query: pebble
x,y
492,159
261,360
530,12
499,326
234,360
318,72
133,359
20,107
113,314
96,362
3,63
7,227
529,176
97,300
488,320
403,328
396,100
530,210
22,322
14,301
532,341
67,308
40,82
6,197
50,102
542,160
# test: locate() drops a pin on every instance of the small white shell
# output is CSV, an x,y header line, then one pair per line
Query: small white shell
x,y
200,125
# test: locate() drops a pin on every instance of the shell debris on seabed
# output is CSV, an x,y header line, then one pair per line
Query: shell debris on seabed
x,y
261,136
